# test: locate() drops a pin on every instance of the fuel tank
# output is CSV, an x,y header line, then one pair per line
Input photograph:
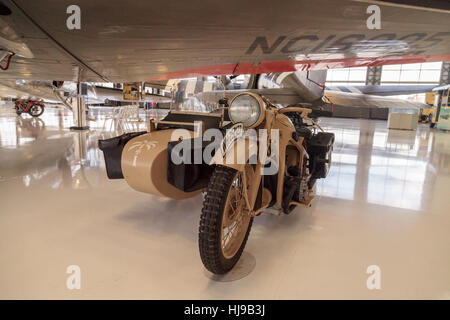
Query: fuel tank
x,y
145,161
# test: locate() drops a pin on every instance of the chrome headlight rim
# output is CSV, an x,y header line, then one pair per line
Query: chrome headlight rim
x,y
262,108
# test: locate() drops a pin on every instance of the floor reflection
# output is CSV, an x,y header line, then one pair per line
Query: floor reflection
x,y
395,168
58,208
43,152
371,164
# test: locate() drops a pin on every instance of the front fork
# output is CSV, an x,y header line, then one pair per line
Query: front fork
x,y
251,174
18,106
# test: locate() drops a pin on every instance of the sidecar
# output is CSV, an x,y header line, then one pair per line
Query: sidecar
x,y
146,161
241,171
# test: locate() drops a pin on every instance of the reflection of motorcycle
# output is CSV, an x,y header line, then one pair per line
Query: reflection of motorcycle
x,y
277,168
33,107
31,127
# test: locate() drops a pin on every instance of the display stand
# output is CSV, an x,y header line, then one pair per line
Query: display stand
x,y
243,268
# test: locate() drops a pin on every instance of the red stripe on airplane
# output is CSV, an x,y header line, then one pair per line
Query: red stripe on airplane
x,y
293,65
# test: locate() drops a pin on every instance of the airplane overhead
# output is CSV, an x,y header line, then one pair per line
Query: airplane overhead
x,y
307,87
153,40
384,90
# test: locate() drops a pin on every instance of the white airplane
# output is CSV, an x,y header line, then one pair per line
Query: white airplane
x,y
60,92
289,88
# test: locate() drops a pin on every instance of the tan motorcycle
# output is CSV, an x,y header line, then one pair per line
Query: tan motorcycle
x,y
275,166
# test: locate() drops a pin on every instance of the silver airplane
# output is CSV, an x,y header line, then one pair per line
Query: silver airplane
x,y
60,92
152,41
289,88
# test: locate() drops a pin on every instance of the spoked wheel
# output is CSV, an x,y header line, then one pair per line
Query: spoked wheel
x,y
36,110
37,123
225,222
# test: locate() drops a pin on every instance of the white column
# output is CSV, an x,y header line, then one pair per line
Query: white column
x,y
79,111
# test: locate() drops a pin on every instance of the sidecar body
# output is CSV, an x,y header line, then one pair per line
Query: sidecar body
x,y
147,162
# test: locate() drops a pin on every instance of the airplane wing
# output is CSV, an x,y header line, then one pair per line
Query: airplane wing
x,y
7,92
286,96
384,90
113,94
369,101
153,40
27,89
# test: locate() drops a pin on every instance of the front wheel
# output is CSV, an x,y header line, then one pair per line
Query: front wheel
x,y
225,222
36,110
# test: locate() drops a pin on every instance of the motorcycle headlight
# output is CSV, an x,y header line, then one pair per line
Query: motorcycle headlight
x,y
247,108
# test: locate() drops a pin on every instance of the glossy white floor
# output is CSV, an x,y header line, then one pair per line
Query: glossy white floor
x,y
385,202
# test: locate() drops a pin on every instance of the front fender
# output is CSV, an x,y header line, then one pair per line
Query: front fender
x,y
242,151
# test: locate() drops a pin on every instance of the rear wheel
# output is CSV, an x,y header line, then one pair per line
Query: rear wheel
x,y
36,110
225,222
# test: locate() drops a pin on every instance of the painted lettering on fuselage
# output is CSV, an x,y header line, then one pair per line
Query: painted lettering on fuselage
x,y
414,43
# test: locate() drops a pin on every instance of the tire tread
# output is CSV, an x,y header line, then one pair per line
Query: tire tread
x,y
211,220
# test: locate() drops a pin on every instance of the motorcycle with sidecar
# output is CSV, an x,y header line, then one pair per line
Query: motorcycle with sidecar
x,y
276,166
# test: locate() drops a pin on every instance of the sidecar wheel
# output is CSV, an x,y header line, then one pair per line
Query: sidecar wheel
x,y
224,223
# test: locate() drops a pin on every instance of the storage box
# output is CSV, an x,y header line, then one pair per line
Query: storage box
x,y
403,121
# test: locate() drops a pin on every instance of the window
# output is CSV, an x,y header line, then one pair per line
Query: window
x,y
415,73
346,76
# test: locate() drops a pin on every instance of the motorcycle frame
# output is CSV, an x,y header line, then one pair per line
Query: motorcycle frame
x,y
295,148
146,170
